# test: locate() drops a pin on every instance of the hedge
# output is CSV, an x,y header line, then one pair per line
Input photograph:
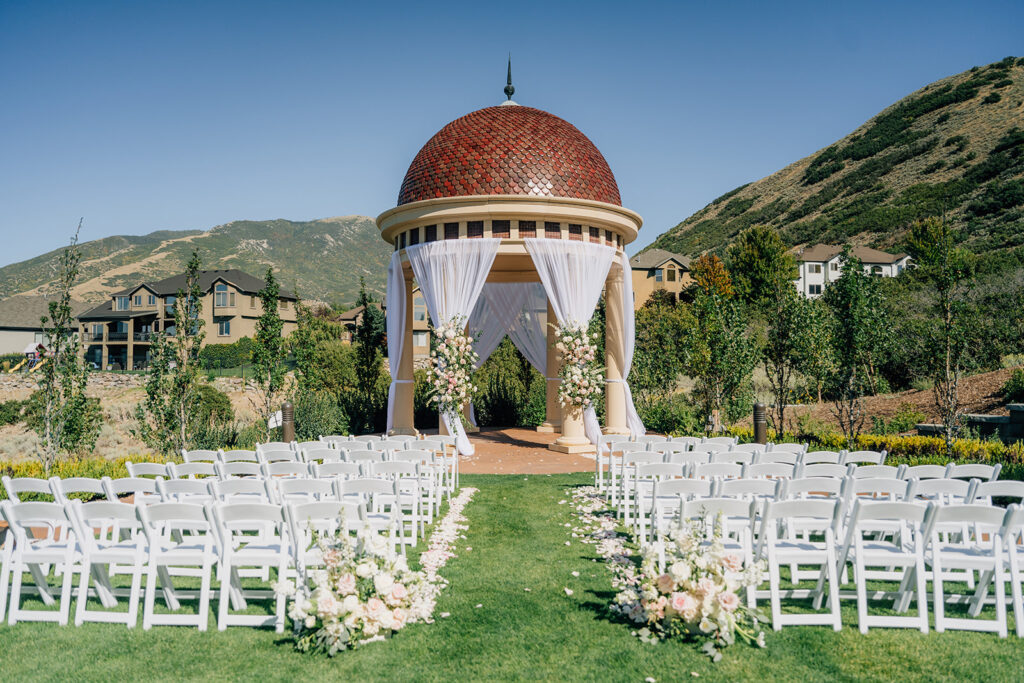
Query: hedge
x,y
93,467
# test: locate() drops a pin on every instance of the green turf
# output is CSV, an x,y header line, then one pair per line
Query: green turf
x,y
517,535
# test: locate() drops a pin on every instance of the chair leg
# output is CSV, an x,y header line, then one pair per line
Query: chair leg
x,y
65,594
862,594
833,595
12,612
83,592
147,609
1000,590
938,588
922,593
204,596
133,595
1015,591
773,591
225,596
5,574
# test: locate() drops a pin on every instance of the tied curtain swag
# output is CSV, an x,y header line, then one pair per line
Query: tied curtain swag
x,y
451,275
516,309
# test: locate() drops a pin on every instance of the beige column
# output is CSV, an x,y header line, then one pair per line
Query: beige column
x,y
105,353
614,354
130,362
403,423
553,410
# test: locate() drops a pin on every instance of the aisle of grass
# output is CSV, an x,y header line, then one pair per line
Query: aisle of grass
x,y
517,536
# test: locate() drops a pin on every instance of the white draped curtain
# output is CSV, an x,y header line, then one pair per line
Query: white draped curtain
x,y
633,421
451,275
515,309
396,304
573,275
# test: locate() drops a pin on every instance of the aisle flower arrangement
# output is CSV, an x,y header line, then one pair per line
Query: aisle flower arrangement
x,y
696,597
451,368
582,377
366,592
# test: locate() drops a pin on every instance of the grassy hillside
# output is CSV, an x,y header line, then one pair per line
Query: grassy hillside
x,y
323,258
955,146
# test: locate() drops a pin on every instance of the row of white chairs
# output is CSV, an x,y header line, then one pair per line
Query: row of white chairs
x,y
903,542
95,541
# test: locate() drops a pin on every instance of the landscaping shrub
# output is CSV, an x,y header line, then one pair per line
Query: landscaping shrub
x,y
905,419
318,414
11,412
424,412
671,414
213,404
75,467
227,355
1013,390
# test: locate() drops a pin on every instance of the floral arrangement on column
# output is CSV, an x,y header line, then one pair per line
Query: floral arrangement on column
x,y
697,595
582,377
451,369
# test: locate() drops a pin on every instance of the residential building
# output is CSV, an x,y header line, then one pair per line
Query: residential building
x,y
351,318
821,264
659,270
20,323
117,333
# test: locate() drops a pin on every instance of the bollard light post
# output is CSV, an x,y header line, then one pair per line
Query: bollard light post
x,y
760,423
287,422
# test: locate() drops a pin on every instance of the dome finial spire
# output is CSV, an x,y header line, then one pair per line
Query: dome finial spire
x,y
509,88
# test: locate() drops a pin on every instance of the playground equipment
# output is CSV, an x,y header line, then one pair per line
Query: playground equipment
x,y
18,366
36,366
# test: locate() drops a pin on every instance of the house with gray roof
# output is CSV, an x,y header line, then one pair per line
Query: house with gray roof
x,y
821,264
20,323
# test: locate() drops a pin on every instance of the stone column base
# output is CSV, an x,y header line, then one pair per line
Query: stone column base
x,y
549,427
572,447
404,431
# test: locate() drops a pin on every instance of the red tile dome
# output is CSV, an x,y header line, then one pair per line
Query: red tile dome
x,y
509,150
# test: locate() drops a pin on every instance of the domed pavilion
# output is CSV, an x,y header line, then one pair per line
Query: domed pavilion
x,y
509,217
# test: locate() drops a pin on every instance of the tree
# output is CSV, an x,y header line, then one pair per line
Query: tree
x,y
660,351
948,271
760,266
370,339
307,342
853,301
788,342
167,418
268,353
720,353
68,421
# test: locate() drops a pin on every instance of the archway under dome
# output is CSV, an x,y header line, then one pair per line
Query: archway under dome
x,y
505,213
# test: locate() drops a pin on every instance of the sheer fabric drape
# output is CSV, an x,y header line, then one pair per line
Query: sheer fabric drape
x,y
451,275
633,421
396,304
573,275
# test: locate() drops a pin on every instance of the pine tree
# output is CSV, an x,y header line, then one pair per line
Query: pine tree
x,y
268,353
370,340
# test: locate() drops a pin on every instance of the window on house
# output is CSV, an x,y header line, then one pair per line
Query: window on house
x,y
430,233
97,331
576,232
414,236
670,274
169,330
220,295
475,229
876,270
527,229
451,231
419,312
814,268
834,265
151,300
121,303
38,337
419,338
658,275
224,328
138,300
814,289
501,228
283,304
252,301
552,230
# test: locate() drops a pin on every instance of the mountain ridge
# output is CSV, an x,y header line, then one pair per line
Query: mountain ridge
x,y
322,258
954,147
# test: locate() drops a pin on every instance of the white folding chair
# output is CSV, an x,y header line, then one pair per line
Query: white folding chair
x,y
622,448
184,491
749,489
868,545
35,555
739,457
652,438
876,471
720,440
192,470
1009,488
1015,561
786,457
432,474
285,469
689,459
690,441
179,537
824,469
710,447
64,489
984,553
323,518
806,488
780,546
603,458
274,456
975,471
944,491
755,448
864,458
302,490
407,479
645,478
98,527
624,501
240,491
734,517
824,457
666,499
146,469
336,470
16,486
142,491
771,470
238,455
200,455
321,454
239,468
378,498
797,448
922,472
237,548
718,470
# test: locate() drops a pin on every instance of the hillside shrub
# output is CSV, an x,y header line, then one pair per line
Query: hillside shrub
x,y
213,404
1013,390
907,417
11,412
671,414
992,98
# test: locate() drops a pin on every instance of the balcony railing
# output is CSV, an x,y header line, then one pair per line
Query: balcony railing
x,y
117,336
142,336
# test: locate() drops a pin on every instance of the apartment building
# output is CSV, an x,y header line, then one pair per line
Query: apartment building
x,y
657,269
117,333
821,264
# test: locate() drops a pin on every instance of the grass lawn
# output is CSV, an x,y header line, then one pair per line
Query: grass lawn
x,y
517,536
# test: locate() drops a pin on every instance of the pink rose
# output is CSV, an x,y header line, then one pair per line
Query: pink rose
x,y
665,583
732,562
729,601
705,586
347,584
400,618
375,608
398,594
685,604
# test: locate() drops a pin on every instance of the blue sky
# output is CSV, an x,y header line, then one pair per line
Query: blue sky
x,y
146,116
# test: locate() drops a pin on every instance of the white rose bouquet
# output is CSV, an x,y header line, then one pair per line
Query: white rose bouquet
x,y
365,592
451,368
582,376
